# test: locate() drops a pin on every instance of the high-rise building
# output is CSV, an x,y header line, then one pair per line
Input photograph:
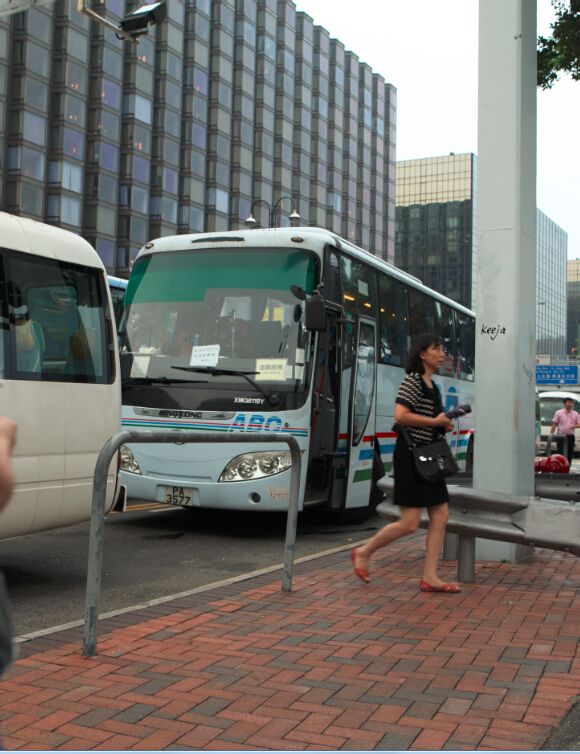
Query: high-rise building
x,y
551,259
573,308
435,237
228,107
436,240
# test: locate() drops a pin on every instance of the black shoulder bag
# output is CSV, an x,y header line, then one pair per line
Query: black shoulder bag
x,y
433,462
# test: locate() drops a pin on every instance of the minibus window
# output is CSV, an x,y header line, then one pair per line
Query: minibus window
x,y
57,321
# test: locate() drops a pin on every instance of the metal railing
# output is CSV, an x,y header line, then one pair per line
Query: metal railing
x,y
97,527
533,521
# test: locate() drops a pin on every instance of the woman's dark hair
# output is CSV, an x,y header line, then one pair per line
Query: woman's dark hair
x,y
421,343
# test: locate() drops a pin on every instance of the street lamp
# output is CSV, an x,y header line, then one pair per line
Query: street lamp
x,y
251,221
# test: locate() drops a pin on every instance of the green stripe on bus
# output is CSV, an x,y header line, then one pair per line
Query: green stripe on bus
x,y
362,475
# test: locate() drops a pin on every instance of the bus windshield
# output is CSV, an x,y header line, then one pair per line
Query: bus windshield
x,y
216,318
550,404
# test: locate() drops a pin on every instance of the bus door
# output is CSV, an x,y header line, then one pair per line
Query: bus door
x,y
324,453
360,430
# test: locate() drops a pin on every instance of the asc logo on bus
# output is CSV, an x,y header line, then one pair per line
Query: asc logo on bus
x,y
256,423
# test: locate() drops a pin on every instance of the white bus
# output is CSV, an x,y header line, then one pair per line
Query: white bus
x,y
216,337
551,401
59,372
117,288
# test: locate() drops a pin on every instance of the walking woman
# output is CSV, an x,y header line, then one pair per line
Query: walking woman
x,y
420,409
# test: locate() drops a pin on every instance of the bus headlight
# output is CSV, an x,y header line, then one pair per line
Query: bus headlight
x,y
256,465
128,460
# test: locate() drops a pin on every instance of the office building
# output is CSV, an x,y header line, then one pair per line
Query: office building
x,y
436,240
573,308
551,260
226,108
435,236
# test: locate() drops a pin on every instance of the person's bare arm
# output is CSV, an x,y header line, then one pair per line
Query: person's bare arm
x,y
404,415
7,443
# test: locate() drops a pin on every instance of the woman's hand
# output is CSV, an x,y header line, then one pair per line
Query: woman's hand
x,y
444,421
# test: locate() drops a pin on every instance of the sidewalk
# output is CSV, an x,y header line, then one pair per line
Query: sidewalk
x,y
333,665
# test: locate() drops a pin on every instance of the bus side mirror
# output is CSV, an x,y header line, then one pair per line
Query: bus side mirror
x,y
314,314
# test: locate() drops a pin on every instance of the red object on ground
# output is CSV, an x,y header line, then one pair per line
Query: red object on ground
x,y
555,464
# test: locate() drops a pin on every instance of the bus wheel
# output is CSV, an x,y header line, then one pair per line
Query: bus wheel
x,y
469,456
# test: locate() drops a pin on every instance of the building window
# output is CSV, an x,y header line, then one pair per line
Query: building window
x,y
109,155
141,169
111,94
37,59
34,128
73,143
106,250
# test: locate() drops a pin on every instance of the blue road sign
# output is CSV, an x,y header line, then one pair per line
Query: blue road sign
x,y
556,375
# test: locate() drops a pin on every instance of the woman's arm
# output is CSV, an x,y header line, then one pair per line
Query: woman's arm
x,y
7,443
405,416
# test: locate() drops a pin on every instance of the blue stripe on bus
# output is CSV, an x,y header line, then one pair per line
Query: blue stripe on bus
x,y
201,426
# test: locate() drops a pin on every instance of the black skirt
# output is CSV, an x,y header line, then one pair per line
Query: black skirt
x,y
410,490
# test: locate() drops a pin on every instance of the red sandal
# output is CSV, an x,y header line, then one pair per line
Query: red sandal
x,y
362,573
424,586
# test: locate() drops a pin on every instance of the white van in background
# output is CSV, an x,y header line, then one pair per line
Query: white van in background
x,y
59,374
550,402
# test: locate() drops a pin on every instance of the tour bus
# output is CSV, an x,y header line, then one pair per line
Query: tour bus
x,y
551,401
59,372
288,330
117,288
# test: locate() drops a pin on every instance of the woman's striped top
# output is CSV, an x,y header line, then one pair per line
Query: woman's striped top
x,y
423,400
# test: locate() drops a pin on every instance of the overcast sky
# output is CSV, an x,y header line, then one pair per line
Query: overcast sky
x,y
428,50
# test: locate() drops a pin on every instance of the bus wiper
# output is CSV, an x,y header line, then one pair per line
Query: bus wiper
x,y
272,398
157,381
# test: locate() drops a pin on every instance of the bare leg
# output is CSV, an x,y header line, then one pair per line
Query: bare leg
x,y
407,524
438,516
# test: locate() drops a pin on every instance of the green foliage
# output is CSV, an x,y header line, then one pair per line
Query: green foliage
x,y
560,53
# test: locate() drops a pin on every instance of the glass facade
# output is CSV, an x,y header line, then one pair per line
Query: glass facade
x,y
436,240
573,313
227,107
551,260
435,223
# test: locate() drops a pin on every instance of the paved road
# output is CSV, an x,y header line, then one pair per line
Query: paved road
x,y
151,554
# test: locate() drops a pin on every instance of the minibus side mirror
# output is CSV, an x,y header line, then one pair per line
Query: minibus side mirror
x,y
314,314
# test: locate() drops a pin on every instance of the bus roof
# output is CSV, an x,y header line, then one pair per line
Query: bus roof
x,y
31,236
117,282
263,237
561,394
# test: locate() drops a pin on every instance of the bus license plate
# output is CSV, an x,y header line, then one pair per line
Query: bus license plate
x,y
179,495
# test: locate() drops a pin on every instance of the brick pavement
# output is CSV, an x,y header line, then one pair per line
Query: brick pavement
x,y
336,664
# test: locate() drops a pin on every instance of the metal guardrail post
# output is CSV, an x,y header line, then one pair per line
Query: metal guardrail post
x,y
292,517
466,559
97,527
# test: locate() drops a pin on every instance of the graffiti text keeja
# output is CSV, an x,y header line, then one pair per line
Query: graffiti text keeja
x,y
494,331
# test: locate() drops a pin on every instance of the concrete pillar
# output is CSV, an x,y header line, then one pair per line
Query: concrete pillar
x,y
506,265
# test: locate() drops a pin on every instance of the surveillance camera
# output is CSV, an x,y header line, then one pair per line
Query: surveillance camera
x,y
138,21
